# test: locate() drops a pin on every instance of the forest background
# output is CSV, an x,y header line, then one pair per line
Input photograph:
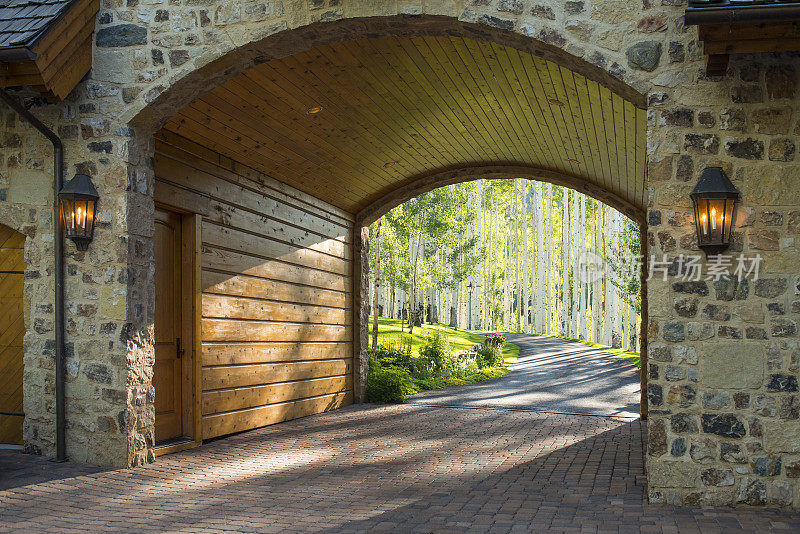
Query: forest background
x,y
509,256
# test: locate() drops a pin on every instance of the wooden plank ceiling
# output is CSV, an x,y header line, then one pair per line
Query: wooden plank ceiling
x,y
397,109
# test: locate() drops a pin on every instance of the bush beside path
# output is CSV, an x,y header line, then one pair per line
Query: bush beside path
x,y
434,357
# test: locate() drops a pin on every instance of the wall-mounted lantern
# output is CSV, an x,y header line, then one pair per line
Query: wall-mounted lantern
x,y
77,202
714,198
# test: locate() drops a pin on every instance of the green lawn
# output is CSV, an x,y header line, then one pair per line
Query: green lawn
x,y
470,378
389,332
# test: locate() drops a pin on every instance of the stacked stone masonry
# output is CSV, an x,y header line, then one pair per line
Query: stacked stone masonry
x,y
724,355
724,424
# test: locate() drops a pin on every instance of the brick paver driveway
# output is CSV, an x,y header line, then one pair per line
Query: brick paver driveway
x,y
404,468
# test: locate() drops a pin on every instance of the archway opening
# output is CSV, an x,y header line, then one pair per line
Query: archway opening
x,y
544,265
284,163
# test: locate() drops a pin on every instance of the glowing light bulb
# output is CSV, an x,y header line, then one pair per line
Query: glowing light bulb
x,y
713,219
704,222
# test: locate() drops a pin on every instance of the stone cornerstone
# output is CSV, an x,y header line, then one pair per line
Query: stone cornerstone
x,y
724,422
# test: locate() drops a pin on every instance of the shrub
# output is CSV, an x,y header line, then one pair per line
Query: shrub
x,y
494,340
434,354
470,366
388,384
489,355
406,340
389,354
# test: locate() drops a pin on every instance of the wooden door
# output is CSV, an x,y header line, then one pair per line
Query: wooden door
x,y
167,367
12,330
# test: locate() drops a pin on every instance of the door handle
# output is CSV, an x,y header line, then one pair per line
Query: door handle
x,y
179,347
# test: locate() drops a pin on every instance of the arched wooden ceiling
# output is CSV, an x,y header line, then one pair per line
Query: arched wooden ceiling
x,y
395,110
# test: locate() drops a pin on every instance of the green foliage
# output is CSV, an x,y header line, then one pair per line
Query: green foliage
x,y
394,373
426,242
435,355
624,262
390,333
471,377
387,354
489,356
388,384
494,340
487,232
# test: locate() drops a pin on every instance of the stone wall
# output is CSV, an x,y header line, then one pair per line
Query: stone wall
x,y
724,354
724,357
100,285
150,59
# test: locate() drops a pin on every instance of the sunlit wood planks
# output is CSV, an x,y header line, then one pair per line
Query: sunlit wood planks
x,y
12,331
276,311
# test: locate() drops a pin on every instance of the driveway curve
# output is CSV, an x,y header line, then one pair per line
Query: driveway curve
x,y
551,375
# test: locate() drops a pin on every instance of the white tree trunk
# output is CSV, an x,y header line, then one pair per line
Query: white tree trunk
x,y
597,284
581,283
525,323
541,302
580,230
548,254
565,246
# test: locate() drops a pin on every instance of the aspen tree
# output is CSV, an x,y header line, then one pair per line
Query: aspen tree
x,y
377,285
525,189
576,285
548,255
565,245
583,287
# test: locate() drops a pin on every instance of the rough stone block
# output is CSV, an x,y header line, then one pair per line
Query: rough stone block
x,y
672,474
726,425
732,365
752,491
716,477
121,35
781,436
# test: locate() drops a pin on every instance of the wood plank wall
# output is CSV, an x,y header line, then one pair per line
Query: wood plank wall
x,y
276,290
12,332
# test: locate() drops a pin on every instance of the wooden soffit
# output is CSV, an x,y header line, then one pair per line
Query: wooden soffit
x,y
55,57
354,122
722,40
727,27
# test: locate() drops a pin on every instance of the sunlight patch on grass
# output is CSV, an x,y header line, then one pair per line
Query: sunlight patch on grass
x,y
390,331
472,378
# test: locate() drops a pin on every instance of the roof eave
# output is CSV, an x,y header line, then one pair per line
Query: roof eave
x,y
17,53
742,14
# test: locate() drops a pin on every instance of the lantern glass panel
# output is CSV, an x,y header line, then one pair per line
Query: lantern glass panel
x,y
77,215
714,199
714,218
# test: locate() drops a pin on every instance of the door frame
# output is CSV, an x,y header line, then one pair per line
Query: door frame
x,y
191,303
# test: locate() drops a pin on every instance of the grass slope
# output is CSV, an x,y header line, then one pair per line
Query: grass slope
x,y
389,332
471,378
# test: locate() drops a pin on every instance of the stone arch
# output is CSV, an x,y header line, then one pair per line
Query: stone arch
x,y
213,68
429,182
256,45
216,66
